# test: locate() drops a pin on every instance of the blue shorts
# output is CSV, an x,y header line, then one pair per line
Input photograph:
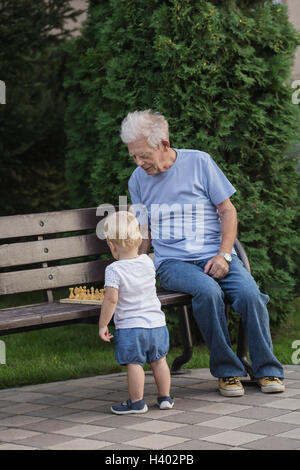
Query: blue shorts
x,y
140,345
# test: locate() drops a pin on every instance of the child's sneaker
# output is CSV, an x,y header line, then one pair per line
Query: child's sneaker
x,y
165,403
129,407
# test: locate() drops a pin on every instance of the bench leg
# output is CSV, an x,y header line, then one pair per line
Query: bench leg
x,y
187,341
242,348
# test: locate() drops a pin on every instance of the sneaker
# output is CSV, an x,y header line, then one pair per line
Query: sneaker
x,y
129,407
231,387
165,403
271,384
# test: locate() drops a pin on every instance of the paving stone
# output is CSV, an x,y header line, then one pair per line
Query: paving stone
x,y
14,434
259,412
83,430
19,420
285,404
291,417
189,417
86,404
120,435
81,392
228,422
293,434
268,428
156,441
274,443
80,444
24,408
221,408
120,421
5,404
21,397
57,400
233,438
155,426
43,441
192,432
198,445
84,417
121,447
49,425
8,446
50,411
156,413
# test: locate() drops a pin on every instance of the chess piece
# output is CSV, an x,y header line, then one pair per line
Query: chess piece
x,y
93,297
71,296
76,290
84,294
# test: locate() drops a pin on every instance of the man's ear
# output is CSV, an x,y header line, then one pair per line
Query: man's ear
x,y
166,144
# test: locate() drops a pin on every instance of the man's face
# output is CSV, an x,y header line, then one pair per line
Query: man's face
x,y
148,158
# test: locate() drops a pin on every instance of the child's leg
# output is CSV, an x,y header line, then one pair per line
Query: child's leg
x,y
136,381
162,376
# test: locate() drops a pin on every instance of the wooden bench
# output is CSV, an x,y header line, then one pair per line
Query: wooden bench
x,y
52,250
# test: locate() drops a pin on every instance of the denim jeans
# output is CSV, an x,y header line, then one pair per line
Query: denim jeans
x,y
209,312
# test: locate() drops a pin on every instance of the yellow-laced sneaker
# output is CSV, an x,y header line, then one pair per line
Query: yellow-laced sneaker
x,y
271,384
231,387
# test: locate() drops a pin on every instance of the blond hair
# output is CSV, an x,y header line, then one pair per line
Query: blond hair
x,y
122,228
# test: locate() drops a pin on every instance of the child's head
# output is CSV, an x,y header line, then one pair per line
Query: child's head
x,y
121,230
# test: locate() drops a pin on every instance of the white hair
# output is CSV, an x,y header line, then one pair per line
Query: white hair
x,y
148,124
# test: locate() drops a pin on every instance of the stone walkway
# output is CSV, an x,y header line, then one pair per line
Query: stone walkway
x,y
75,415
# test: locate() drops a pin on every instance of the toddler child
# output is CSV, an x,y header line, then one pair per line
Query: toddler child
x,y
141,334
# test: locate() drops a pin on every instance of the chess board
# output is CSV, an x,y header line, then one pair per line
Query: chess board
x,y
80,301
82,295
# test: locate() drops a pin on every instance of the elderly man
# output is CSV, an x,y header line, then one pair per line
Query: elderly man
x,y
193,228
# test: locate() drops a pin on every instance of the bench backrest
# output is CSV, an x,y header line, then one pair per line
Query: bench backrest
x,y
39,251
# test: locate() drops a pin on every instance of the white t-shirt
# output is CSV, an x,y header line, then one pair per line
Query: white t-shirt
x,y
138,305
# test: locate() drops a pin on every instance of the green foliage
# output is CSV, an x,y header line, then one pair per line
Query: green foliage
x,y
31,122
219,71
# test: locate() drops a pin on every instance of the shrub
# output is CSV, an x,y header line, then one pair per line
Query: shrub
x,y
31,122
219,71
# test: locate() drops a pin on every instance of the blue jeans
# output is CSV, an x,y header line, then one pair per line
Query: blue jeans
x,y
209,312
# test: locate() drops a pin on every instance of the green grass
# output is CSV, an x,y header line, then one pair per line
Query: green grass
x,y
75,351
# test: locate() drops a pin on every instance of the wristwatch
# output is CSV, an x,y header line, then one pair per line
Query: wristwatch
x,y
227,257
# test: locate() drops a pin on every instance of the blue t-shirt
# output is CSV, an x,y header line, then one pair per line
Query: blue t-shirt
x,y
180,206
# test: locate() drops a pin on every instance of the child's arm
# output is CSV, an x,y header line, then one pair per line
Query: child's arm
x,y
107,310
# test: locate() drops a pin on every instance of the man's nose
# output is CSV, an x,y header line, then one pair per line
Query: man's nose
x,y
138,161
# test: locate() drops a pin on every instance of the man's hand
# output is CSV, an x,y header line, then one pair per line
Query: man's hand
x,y
105,334
217,267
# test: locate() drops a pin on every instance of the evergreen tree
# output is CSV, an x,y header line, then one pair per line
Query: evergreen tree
x,y
31,122
219,71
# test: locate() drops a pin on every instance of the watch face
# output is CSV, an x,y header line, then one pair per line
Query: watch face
x,y
228,257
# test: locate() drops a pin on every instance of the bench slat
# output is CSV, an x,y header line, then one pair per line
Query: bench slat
x,y
14,226
45,313
16,254
20,317
52,277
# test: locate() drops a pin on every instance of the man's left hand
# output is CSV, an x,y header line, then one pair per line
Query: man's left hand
x,y
217,267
